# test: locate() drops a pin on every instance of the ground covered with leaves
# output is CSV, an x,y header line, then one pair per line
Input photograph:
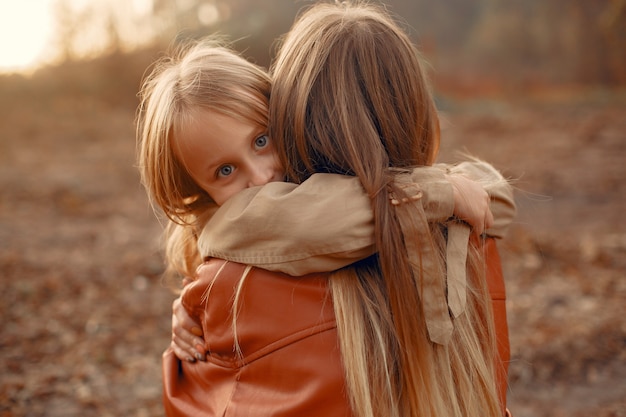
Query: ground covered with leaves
x,y
85,315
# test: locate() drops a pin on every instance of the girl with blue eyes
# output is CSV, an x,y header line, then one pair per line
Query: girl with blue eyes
x,y
271,338
202,137
225,155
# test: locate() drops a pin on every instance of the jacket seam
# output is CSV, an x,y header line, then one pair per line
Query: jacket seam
x,y
274,346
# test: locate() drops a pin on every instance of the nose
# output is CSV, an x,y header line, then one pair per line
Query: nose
x,y
262,174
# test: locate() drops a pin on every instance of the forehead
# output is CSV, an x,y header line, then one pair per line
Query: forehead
x,y
206,133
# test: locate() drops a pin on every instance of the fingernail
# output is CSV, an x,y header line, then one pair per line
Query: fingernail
x,y
190,359
199,357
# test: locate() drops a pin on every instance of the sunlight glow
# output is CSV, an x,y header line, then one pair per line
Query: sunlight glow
x,y
29,38
35,33
25,32
208,14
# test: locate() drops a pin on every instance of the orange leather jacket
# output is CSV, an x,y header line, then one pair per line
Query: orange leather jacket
x,y
289,362
497,290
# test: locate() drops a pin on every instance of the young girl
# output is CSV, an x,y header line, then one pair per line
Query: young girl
x,y
200,101
349,96
179,127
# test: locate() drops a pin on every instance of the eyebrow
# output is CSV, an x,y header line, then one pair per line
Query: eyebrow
x,y
214,166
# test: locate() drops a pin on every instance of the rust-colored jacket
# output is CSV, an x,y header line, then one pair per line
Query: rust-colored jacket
x,y
290,362
497,290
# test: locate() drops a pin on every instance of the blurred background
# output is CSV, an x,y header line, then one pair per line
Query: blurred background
x,y
536,87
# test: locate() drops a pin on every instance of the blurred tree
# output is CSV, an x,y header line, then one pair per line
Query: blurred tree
x,y
88,31
252,25
518,42
612,23
67,27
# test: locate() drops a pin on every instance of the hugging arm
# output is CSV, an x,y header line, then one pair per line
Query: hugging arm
x,y
326,223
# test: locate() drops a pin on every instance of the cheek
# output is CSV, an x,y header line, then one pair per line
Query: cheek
x,y
221,194
273,163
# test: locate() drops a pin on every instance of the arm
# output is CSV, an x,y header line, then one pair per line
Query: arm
x,y
326,222
281,213
292,228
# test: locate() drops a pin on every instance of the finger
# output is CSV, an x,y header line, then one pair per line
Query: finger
x,y
185,331
489,220
186,281
183,336
484,217
188,343
478,226
182,353
186,340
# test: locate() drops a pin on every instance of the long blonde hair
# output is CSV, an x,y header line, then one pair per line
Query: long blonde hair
x,y
350,97
196,75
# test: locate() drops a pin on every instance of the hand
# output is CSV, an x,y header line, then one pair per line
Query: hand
x,y
187,342
471,203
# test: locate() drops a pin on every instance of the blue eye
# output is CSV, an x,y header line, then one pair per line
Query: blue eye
x,y
261,142
225,170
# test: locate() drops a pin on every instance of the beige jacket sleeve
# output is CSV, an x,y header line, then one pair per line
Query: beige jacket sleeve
x,y
323,224
501,192
327,220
